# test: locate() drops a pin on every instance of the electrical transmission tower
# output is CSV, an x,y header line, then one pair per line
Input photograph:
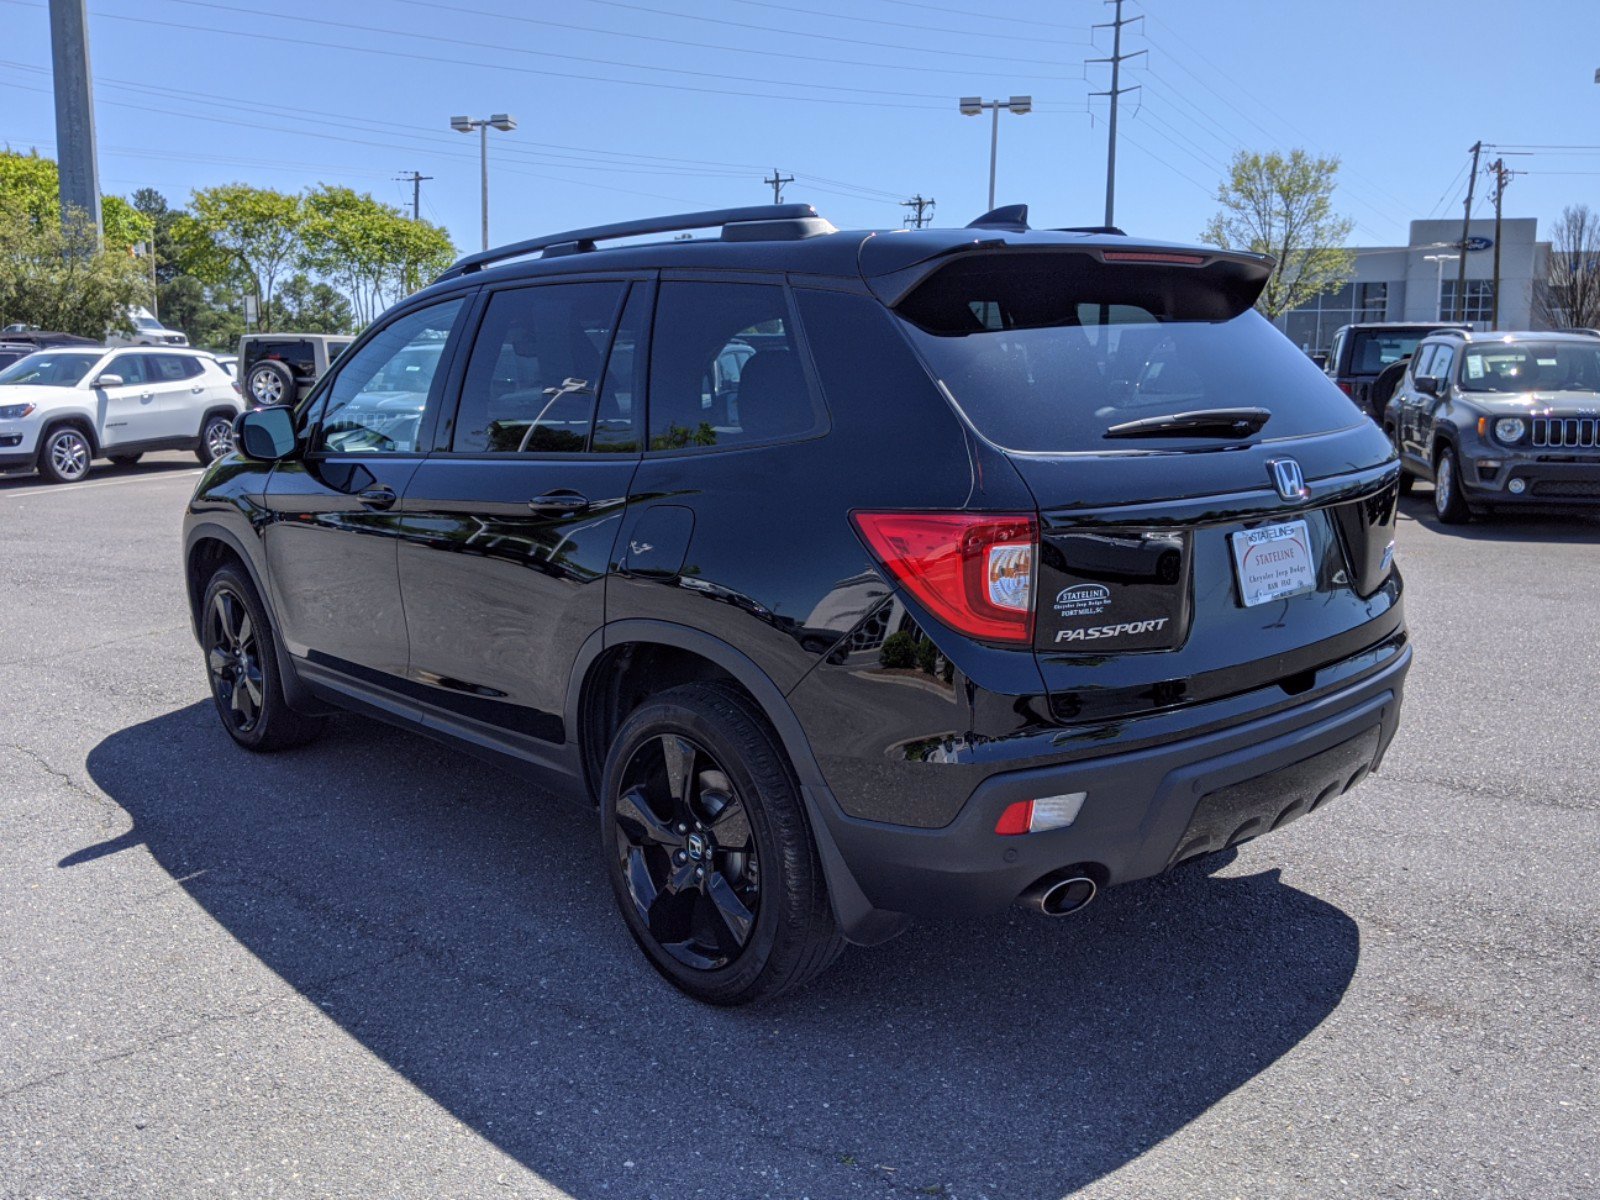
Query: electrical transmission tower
x,y
415,179
1114,93
776,183
921,211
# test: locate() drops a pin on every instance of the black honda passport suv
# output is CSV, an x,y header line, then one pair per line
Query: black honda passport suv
x,y
854,577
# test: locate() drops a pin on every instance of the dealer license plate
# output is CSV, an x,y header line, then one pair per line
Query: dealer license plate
x,y
1273,561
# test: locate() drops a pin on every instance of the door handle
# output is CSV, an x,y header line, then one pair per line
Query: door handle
x,y
563,502
380,497
197,389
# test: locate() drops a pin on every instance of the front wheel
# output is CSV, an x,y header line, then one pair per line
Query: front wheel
x,y
65,455
242,664
708,849
1448,503
216,439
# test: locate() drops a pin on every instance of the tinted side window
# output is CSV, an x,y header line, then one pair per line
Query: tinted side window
x,y
133,368
378,399
530,383
619,419
725,368
1334,366
294,353
167,368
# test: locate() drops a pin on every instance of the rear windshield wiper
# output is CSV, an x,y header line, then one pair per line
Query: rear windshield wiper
x,y
1205,422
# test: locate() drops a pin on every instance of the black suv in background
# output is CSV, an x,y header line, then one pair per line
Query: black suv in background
x,y
853,577
1500,421
1367,360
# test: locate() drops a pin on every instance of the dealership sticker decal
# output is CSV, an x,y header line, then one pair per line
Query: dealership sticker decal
x,y
1273,562
1083,600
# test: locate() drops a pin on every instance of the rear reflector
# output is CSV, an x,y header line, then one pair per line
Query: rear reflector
x,y
1036,816
972,571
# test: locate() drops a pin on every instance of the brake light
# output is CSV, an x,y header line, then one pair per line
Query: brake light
x,y
1347,388
972,571
1154,256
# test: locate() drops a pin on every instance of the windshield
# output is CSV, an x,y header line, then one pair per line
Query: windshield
x,y
147,323
1531,366
1371,350
46,368
1049,360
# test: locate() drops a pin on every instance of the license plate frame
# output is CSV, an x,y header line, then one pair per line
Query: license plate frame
x,y
1291,571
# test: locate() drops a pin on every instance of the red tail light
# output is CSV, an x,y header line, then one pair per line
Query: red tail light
x,y
972,571
1347,388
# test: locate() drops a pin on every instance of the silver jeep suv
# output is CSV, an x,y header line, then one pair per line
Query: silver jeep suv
x,y
279,368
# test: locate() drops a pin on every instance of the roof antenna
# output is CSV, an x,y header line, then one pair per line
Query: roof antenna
x,y
1011,217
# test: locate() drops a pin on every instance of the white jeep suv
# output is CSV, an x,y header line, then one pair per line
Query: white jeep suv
x,y
61,409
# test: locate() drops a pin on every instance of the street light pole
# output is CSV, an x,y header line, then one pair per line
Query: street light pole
x,y
1441,259
971,106
504,122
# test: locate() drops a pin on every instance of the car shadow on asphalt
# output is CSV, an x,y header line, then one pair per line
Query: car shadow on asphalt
x,y
1503,526
456,922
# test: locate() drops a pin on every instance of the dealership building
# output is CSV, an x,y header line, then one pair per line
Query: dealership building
x,y
1417,281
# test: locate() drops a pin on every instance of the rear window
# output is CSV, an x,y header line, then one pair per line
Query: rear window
x,y
1371,350
1045,354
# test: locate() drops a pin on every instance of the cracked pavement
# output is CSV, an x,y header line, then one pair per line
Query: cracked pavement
x,y
375,967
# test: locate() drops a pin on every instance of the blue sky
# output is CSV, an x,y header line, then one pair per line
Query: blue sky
x,y
628,107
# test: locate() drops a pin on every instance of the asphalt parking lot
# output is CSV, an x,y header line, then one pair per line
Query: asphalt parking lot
x,y
374,967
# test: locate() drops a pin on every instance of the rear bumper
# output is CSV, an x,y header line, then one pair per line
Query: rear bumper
x,y
1145,810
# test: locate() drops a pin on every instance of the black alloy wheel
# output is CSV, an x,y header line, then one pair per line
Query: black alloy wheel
x,y
233,658
685,847
242,666
709,850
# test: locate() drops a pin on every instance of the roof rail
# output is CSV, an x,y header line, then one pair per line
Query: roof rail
x,y
580,240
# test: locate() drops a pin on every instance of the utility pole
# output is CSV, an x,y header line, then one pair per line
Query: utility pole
x,y
1459,311
1501,178
777,181
77,169
1116,90
415,179
921,210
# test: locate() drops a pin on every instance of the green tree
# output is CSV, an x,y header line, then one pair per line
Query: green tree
x,y
244,237
57,275
370,250
312,306
1284,207
31,185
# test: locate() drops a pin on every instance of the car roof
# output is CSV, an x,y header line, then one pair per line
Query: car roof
x,y
1484,337
784,238
1400,326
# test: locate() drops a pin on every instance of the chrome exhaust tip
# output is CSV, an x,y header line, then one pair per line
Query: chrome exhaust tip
x,y
1060,894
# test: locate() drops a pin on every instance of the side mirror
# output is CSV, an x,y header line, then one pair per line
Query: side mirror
x,y
1427,385
108,380
265,433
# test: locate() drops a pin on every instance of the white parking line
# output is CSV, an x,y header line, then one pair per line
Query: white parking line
x,y
57,489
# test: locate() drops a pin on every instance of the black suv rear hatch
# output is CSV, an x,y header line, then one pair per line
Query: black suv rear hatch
x,y
1215,515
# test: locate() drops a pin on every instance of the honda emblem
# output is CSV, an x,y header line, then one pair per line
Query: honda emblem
x,y
1290,482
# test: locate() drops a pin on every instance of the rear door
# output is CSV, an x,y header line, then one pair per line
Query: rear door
x,y
509,526
1180,561
179,393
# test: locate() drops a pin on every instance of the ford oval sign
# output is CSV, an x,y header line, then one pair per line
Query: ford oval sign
x,y
1474,244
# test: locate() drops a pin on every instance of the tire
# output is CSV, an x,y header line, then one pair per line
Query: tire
x,y
242,667
686,893
269,382
124,460
1449,505
65,454
216,438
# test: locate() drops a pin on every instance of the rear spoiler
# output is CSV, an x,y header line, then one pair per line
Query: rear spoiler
x,y
1237,276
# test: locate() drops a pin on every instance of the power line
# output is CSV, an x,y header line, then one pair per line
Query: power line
x,y
415,179
919,27
987,16
437,5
